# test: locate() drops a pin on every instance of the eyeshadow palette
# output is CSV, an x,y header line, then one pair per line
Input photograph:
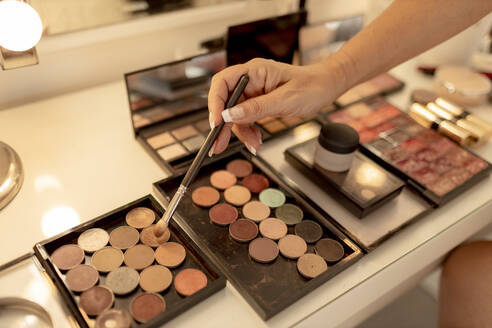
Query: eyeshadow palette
x,y
380,85
362,189
437,167
269,242
114,268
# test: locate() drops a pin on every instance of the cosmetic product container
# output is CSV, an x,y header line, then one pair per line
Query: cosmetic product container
x,y
336,146
460,112
462,85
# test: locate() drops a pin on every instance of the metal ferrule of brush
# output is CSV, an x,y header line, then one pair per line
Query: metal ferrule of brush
x,y
174,203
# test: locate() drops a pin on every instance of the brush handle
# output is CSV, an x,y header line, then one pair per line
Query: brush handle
x,y
212,135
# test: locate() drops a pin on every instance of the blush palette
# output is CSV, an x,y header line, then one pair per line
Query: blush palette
x,y
434,165
168,275
260,232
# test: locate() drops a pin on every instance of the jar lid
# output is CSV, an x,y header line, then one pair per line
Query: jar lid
x,y
462,80
338,138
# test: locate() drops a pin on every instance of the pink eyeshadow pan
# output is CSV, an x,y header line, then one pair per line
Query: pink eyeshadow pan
x,y
184,132
475,165
427,154
383,127
457,176
160,140
443,145
340,117
367,135
441,165
357,125
172,152
442,186
410,165
426,176
412,145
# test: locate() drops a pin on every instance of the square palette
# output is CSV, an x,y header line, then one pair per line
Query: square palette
x,y
380,85
434,165
114,266
243,217
362,189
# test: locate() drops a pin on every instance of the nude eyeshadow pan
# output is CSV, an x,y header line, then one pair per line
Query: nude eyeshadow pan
x,y
67,256
243,230
172,152
256,211
96,300
194,144
263,250
222,179
107,259
311,265
273,228
160,140
256,182
223,214
114,318
292,246
139,256
93,239
240,168
140,217
81,278
330,250
147,306
155,278
124,237
122,280
190,281
148,237
205,196
170,254
184,132
237,195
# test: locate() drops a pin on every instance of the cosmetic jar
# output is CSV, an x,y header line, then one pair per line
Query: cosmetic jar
x,y
336,146
462,85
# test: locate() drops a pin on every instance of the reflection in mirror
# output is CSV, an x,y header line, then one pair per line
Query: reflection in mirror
x,y
63,16
173,89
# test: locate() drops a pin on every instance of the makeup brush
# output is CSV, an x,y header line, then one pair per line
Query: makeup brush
x,y
161,226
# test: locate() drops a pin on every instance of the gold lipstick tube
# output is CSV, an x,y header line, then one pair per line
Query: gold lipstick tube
x,y
459,112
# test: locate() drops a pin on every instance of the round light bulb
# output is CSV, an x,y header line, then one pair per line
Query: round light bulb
x,y
20,25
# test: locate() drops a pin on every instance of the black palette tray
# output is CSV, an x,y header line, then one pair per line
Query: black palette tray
x,y
268,288
175,304
343,186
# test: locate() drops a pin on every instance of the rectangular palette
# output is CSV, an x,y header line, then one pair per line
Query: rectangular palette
x,y
378,86
362,189
175,303
268,288
437,167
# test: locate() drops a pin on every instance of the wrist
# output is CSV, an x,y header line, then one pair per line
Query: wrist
x,y
339,68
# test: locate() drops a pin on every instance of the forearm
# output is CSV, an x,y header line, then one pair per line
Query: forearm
x,y
405,29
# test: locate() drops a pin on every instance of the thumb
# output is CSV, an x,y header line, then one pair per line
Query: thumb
x,y
254,109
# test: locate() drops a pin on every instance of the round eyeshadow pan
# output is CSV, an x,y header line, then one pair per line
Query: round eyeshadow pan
x,y
139,257
256,182
205,196
147,306
189,281
292,246
81,278
122,280
240,168
93,239
272,197
329,249
311,265
140,217
155,278
68,256
309,230
170,254
114,318
107,259
273,228
289,213
263,250
237,195
222,179
243,230
96,300
124,237
148,237
256,211
223,214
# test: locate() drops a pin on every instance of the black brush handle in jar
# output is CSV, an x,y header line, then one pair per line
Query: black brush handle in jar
x,y
212,136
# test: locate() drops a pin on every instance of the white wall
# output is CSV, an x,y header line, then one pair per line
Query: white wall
x,y
83,59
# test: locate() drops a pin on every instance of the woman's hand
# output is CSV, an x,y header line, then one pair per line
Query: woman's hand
x,y
274,89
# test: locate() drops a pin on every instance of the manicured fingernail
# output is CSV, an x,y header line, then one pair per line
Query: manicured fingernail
x,y
251,149
212,124
232,114
211,152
